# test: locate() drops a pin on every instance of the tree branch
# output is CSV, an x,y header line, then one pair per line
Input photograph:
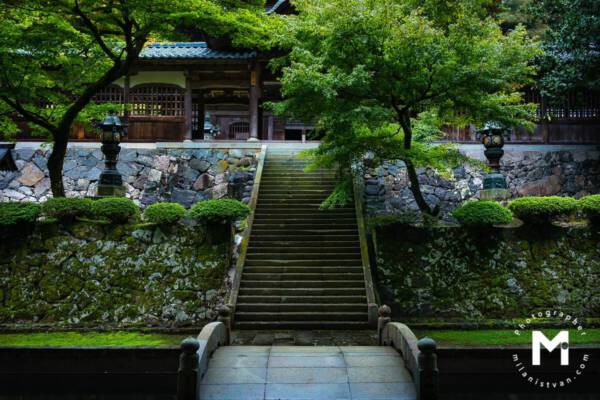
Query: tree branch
x,y
95,33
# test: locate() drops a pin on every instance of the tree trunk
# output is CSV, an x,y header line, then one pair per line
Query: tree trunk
x,y
415,186
55,163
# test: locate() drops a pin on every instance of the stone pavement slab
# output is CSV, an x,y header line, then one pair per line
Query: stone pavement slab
x,y
307,373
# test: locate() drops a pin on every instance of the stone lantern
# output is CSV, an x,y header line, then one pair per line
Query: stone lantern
x,y
209,129
494,184
112,130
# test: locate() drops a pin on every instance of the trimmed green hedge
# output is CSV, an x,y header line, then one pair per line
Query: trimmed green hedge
x,y
482,213
590,205
67,208
164,213
219,210
14,213
541,210
115,209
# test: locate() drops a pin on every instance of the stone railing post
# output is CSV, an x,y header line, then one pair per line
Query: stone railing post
x,y
385,318
187,374
427,381
225,317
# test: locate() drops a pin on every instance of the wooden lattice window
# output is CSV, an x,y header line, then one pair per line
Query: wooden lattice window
x,y
239,130
575,106
157,100
110,94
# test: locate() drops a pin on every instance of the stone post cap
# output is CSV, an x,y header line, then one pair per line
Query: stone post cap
x,y
224,310
190,345
384,311
427,345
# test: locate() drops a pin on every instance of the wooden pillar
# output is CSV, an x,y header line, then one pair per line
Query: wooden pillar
x,y
187,106
201,116
254,97
126,85
270,128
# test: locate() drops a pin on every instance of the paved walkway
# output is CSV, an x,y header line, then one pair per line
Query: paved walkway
x,y
307,373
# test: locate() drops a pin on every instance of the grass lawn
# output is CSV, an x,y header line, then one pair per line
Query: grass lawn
x,y
89,339
503,337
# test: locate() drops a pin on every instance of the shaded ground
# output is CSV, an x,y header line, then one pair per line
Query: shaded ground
x,y
305,338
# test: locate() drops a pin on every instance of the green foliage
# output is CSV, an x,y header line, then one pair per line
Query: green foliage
x,y
88,339
56,55
405,218
115,209
381,78
14,213
341,195
541,210
219,210
67,208
590,205
477,214
571,59
164,213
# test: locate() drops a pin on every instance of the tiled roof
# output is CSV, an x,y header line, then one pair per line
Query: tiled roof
x,y
191,50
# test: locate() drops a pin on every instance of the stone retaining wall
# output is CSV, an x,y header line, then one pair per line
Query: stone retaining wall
x,y
529,170
183,175
88,274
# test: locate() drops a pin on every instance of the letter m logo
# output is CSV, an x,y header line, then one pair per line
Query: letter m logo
x,y
539,339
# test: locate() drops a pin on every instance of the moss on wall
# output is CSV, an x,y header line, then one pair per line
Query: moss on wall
x,y
503,273
105,275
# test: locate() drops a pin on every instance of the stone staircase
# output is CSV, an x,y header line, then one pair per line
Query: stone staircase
x,y
303,267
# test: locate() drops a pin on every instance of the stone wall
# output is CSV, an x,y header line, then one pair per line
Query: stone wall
x,y
183,175
529,170
450,272
95,275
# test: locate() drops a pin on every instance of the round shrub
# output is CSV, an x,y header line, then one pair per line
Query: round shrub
x,y
67,208
219,210
115,209
482,214
590,205
15,213
541,210
164,213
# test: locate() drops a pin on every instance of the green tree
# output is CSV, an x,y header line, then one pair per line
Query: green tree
x,y
381,77
55,55
571,58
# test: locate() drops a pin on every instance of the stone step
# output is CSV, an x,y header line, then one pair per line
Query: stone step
x,y
303,276
302,197
245,299
303,250
250,291
355,255
260,243
299,174
260,231
298,238
302,212
285,182
299,307
301,316
305,219
303,262
259,225
302,284
304,325
278,191
303,270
